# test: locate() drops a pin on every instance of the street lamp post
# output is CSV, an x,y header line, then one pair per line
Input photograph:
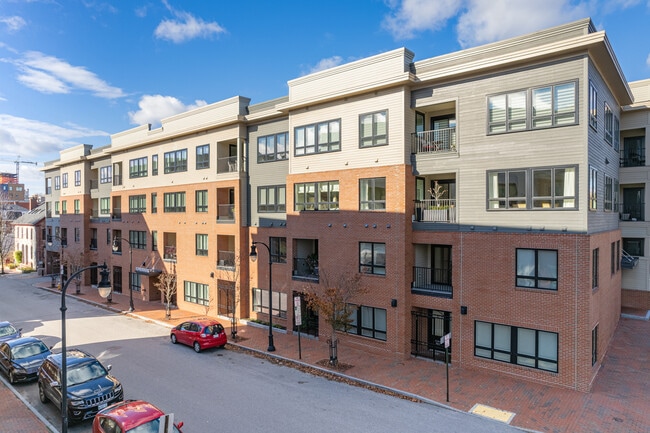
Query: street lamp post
x,y
116,248
104,288
253,256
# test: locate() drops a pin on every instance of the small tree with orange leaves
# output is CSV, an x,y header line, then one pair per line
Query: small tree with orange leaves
x,y
333,299
167,286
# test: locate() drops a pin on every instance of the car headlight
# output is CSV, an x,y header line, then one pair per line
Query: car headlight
x,y
118,389
75,403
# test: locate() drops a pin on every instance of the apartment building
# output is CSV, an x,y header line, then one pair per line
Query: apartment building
x,y
475,193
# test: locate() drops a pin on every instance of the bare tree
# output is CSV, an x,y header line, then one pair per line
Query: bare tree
x,y
167,286
75,262
6,231
333,298
232,273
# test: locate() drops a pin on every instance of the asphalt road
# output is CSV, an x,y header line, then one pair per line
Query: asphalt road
x,y
219,389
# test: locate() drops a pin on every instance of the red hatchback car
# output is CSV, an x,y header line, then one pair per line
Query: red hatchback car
x,y
200,334
134,416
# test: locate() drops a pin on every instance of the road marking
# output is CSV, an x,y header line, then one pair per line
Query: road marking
x,y
490,412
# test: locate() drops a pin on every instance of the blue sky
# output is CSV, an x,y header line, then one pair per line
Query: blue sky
x,y
76,71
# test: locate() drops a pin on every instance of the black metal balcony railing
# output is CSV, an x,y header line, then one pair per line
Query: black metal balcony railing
x,y
633,212
633,161
93,244
304,268
225,259
437,140
432,281
94,184
117,214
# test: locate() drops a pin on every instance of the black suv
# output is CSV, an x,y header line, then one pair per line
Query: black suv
x,y
90,387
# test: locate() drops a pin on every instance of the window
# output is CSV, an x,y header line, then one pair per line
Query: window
x,y
272,147
64,207
197,293
169,240
77,235
278,249
373,129
271,198
105,205
550,106
316,196
507,189
201,245
372,258
77,206
554,188
174,202
609,193
318,138
138,167
372,194
64,177
135,281
617,133
634,246
138,203
77,178
176,161
203,156
537,268
154,165
154,240
368,322
522,346
57,182
613,261
93,239
201,198
594,345
154,202
56,208
609,123
507,112
593,106
138,239
618,255
106,174
48,185
593,188
261,302
594,268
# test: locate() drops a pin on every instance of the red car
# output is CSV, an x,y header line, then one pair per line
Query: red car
x,y
200,334
134,416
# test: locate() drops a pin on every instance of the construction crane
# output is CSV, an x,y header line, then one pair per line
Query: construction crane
x,y
18,161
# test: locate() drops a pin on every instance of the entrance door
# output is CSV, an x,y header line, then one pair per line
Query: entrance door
x,y
309,317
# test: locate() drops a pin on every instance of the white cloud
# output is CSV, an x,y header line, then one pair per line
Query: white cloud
x,y
412,16
647,61
327,63
37,141
185,27
49,74
153,108
14,23
480,21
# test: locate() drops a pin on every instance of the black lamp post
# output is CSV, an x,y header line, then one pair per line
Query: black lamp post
x,y
104,288
116,248
253,256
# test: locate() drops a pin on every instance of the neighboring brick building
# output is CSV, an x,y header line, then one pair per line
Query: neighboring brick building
x,y
476,192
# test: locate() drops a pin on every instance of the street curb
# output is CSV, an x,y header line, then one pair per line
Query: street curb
x,y
29,406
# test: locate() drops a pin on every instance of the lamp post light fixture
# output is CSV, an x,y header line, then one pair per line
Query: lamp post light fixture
x,y
104,288
253,256
116,248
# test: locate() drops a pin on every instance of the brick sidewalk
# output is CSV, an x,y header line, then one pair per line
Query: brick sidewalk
x,y
618,402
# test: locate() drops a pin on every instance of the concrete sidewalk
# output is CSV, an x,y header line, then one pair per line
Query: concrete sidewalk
x,y
618,402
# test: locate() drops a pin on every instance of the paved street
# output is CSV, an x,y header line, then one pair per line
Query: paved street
x,y
218,390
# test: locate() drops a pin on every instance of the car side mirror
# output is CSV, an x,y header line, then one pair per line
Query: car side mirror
x,y
109,367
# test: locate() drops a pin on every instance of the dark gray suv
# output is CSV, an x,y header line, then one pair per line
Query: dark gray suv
x,y
90,387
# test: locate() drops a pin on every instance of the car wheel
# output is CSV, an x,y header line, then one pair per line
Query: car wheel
x,y
41,393
174,340
12,379
197,347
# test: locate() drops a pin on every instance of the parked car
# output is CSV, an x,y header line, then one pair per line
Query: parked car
x,y
90,387
9,331
200,334
134,416
21,358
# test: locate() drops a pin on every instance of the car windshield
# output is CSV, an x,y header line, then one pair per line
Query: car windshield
x,y
7,330
29,349
86,372
150,427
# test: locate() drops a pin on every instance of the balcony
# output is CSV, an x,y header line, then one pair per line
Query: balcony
x,y
434,141
169,252
117,214
226,213
633,211
94,184
227,164
441,210
305,268
93,244
226,260
432,282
